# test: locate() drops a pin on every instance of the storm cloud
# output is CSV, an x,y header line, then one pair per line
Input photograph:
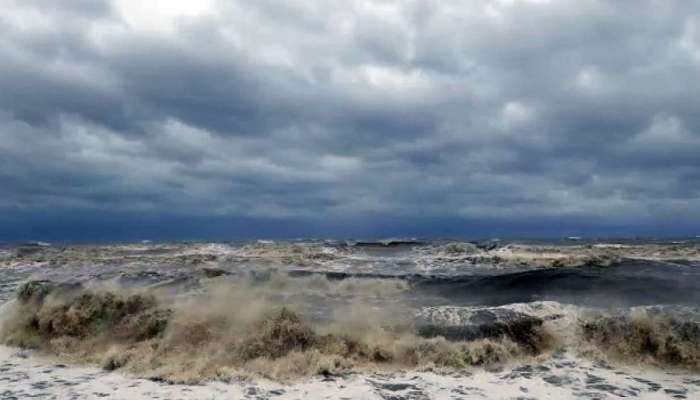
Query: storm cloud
x,y
570,112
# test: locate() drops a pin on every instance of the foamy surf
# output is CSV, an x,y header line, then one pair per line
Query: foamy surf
x,y
565,377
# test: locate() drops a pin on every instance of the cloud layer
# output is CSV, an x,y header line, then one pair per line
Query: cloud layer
x,y
570,110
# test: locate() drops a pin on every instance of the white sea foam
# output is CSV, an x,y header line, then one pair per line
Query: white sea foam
x,y
24,375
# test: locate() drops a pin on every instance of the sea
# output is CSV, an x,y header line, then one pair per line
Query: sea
x,y
387,319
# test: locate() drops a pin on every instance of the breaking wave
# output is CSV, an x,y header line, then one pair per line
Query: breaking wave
x,y
665,336
282,328
239,329
297,253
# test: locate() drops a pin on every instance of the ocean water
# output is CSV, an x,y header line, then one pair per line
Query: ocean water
x,y
398,319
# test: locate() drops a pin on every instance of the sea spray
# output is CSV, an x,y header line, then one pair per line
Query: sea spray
x,y
237,328
281,327
665,336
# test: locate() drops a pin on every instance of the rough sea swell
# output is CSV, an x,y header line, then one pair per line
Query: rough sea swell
x,y
293,311
627,283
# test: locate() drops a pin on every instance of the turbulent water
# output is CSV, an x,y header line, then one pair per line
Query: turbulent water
x,y
388,319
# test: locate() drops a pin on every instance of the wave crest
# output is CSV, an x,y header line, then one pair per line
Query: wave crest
x,y
651,335
233,330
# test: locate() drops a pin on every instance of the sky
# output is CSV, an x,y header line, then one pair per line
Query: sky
x,y
174,119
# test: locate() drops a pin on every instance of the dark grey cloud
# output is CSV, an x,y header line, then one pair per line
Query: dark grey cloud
x,y
562,110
